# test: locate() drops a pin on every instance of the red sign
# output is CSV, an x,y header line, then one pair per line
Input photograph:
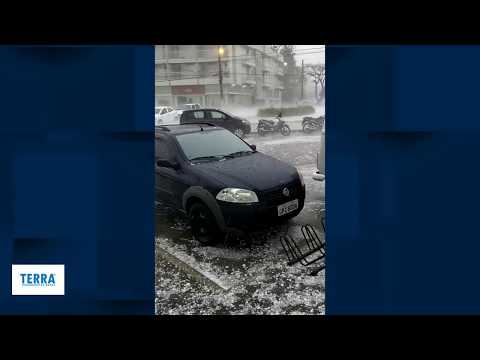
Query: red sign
x,y
188,90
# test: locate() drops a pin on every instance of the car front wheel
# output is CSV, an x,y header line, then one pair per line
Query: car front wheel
x,y
204,226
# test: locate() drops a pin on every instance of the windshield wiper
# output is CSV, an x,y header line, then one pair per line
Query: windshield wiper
x,y
211,157
219,157
239,153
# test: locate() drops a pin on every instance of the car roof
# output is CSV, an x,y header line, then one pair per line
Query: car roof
x,y
207,109
176,129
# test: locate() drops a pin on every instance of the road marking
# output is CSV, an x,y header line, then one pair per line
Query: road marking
x,y
193,268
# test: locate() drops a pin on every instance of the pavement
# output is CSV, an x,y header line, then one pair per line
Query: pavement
x,y
232,278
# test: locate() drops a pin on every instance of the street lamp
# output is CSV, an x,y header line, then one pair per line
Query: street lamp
x,y
221,51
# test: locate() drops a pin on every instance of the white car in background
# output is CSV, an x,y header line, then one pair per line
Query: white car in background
x,y
181,108
189,107
165,115
319,175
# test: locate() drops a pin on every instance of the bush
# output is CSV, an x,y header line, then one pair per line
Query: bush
x,y
287,111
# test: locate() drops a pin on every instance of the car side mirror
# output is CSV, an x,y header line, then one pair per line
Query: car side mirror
x,y
168,164
253,147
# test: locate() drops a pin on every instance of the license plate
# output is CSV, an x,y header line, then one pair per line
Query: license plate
x,y
287,207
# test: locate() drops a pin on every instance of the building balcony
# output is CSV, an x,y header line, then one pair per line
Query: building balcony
x,y
268,82
250,62
207,55
268,68
250,80
177,57
176,60
175,79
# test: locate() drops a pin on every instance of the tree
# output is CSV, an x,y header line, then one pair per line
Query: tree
x,y
317,73
289,79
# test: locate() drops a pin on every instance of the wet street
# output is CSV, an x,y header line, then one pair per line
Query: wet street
x,y
232,278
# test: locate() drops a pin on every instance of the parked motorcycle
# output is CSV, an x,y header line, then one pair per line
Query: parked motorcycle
x,y
272,126
310,124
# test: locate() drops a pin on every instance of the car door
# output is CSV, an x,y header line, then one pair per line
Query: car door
x,y
173,116
164,177
168,116
218,118
192,116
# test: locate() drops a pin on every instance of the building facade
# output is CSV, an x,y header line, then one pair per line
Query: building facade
x,y
252,75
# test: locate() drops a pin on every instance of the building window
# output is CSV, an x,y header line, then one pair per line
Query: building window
x,y
203,70
202,51
174,51
175,71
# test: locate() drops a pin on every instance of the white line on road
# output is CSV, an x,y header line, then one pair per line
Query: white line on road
x,y
192,267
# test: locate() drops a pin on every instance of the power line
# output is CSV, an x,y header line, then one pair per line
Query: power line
x,y
266,53
253,56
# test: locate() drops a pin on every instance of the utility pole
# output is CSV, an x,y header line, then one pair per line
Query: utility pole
x,y
220,74
302,76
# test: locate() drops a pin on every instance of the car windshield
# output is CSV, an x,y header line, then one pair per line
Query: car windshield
x,y
212,145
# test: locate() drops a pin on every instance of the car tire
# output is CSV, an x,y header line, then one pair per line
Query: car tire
x,y
239,132
204,226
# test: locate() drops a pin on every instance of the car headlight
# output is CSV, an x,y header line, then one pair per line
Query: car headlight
x,y
246,122
301,179
234,195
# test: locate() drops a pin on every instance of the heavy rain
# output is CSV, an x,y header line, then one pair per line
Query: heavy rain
x,y
236,276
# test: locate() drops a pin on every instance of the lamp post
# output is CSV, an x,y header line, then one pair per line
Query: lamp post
x,y
221,51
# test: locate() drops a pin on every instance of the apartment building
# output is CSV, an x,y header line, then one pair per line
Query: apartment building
x,y
252,74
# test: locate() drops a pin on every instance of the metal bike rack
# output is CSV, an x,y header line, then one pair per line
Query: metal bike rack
x,y
306,255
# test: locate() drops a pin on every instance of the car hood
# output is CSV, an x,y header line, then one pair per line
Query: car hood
x,y
253,172
239,118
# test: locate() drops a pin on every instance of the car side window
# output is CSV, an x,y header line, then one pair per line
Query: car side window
x,y
164,111
198,115
217,115
186,115
162,149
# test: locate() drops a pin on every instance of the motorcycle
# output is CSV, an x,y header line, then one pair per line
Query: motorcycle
x,y
310,124
272,126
